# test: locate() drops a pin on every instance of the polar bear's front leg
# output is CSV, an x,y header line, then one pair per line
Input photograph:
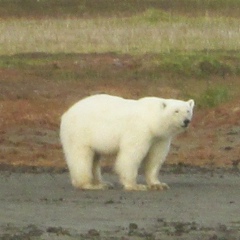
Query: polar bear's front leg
x,y
127,171
128,162
156,157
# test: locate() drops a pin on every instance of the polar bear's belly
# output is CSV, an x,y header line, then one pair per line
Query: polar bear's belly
x,y
106,141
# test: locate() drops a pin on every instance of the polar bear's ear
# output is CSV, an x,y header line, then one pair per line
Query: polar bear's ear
x,y
164,105
191,103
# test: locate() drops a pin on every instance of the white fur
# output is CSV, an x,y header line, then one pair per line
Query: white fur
x,y
136,130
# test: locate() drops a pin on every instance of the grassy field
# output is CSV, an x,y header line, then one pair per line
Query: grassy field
x,y
132,27
185,43
149,32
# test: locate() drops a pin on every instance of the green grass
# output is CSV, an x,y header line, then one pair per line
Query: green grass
x,y
127,26
213,96
134,35
177,64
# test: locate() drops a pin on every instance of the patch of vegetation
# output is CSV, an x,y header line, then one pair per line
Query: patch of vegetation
x,y
193,64
213,96
23,61
153,31
154,16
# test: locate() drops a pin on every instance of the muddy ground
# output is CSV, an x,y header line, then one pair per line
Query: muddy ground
x,y
45,206
37,200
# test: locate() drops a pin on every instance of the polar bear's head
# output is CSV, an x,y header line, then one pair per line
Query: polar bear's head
x,y
178,114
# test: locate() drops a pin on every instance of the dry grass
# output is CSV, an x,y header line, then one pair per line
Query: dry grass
x,y
151,31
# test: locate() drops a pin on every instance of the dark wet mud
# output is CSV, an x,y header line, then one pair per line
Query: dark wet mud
x,y
46,206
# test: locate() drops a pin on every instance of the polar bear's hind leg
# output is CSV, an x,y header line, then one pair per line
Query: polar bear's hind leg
x,y
80,164
80,167
97,175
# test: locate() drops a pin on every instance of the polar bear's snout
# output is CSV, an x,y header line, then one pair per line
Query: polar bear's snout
x,y
186,122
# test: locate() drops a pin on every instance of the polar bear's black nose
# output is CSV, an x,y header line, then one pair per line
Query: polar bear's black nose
x,y
186,122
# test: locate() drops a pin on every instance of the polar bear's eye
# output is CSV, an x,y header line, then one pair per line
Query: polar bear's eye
x,y
176,111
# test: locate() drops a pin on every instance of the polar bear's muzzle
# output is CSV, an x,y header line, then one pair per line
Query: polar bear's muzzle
x,y
186,123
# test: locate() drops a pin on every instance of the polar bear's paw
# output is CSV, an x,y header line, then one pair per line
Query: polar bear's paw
x,y
159,186
106,185
136,187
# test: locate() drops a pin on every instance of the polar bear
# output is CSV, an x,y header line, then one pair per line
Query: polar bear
x,y
137,131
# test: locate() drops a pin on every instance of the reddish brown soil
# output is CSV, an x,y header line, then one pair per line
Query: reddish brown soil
x,y
31,106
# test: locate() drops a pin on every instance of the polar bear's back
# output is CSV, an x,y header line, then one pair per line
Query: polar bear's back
x,y
103,101
100,106
103,110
